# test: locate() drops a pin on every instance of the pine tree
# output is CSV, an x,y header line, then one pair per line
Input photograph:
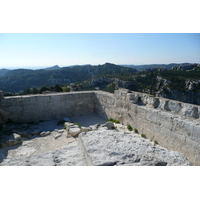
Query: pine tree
x,y
58,88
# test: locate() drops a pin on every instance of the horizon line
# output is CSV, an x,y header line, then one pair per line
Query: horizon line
x,y
43,67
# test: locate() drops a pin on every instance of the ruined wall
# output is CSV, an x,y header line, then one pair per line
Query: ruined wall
x,y
173,124
25,109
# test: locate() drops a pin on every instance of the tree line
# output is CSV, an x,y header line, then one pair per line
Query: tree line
x,y
35,90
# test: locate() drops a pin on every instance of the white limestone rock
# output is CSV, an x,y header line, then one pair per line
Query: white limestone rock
x,y
94,127
70,155
153,101
74,131
57,135
163,104
109,125
116,148
191,111
174,106
43,134
17,137
67,124
133,97
85,129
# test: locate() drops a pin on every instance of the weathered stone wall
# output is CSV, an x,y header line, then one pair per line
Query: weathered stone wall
x,y
173,124
25,109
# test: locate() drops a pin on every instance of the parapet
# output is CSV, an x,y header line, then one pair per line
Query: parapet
x,y
185,110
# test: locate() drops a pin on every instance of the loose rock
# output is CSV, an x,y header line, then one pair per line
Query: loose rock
x,y
43,134
17,137
57,135
110,125
74,131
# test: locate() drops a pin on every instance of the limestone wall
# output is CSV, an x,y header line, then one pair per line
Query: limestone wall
x,y
173,124
25,109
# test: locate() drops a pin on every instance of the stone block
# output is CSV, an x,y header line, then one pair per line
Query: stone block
x,y
153,101
133,97
163,104
74,131
191,111
174,106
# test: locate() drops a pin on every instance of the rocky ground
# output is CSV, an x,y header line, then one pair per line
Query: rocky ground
x,y
92,141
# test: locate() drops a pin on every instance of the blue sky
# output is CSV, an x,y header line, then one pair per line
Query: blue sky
x,y
28,50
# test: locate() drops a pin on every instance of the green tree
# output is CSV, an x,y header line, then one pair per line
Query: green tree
x,y
34,91
27,91
58,88
43,89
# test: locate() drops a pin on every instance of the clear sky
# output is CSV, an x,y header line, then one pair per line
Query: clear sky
x,y
28,50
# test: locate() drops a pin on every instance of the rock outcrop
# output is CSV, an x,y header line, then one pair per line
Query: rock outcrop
x,y
109,148
186,67
100,81
105,146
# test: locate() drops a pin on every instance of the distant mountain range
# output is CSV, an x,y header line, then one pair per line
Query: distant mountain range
x,y
143,67
3,71
19,79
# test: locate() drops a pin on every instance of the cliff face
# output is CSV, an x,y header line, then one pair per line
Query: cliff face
x,y
186,67
100,81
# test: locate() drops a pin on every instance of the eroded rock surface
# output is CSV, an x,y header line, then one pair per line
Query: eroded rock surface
x,y
108,144
110,148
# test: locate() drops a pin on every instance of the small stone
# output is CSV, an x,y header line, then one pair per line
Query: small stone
x,y
110,125
68,124
17,137
74,131
57,135
85,129
43,134
94,127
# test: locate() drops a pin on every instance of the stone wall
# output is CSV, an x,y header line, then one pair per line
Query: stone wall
x,y
173,124
23,109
